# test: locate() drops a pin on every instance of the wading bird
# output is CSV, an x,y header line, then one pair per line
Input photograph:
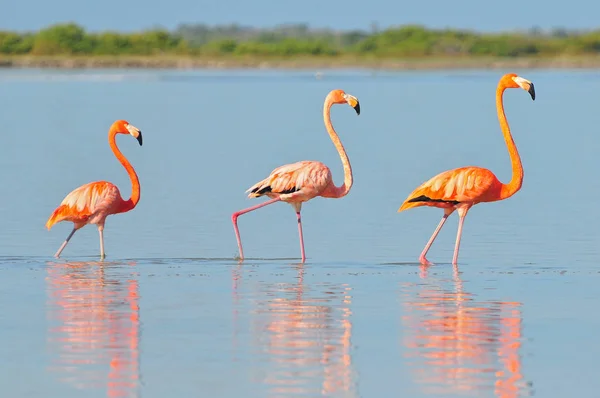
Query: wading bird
x,y
92,203
461,188
299,182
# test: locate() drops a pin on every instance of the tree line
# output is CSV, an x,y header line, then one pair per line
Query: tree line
x,y
294,40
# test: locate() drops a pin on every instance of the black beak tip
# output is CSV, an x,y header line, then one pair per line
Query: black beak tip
x,y
139,138
357,108
531,92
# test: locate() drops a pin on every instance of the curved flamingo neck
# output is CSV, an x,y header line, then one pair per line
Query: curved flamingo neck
x,y
516,180
135,183
337,192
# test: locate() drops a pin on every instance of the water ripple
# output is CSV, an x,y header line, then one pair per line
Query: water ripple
x,y
459,345
302,337
94,327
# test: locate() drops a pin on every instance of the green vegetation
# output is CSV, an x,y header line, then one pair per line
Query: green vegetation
x,y
298,40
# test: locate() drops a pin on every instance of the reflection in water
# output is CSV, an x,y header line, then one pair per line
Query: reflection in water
x,y
459,345
94,333
303,338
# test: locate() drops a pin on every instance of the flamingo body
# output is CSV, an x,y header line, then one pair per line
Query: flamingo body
x,y
299,182
89,204
93,202
295,183
462,188
449,189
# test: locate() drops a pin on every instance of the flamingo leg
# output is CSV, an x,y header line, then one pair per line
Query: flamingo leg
x,y
462,214
62,247
101,233
422,259
235,216
301,236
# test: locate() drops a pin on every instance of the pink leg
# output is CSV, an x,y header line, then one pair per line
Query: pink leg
x,y
461,214
62,247
422,258
301,236
101,233
235,216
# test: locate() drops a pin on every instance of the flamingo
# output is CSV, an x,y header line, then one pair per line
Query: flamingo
x,y
299,182
92,203
462,188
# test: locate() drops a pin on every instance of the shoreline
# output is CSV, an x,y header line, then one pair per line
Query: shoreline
x,y
342,62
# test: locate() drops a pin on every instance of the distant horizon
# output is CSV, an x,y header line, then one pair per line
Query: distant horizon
x,y
311,27
136,15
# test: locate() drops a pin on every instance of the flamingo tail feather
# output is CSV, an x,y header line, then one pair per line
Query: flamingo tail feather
x,y
263,187
58,215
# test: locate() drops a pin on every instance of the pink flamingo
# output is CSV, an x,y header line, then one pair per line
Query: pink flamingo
x,y
93,202
462,188
299,182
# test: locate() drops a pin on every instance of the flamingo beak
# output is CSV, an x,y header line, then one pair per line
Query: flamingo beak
x,y
531,91
353,102
526,85
135,133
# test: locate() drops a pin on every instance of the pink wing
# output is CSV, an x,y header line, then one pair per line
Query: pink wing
x,y
292,178
86,201
447,189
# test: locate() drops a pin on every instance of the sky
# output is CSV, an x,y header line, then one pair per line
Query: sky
x,y
132,15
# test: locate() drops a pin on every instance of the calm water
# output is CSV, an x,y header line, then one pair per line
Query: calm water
x,y
171,313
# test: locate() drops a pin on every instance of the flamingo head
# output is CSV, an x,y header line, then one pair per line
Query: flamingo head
x,y
340,97
512,80
123,127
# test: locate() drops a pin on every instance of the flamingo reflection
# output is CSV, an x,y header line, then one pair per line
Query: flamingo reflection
x,y
459,345
94,333
304,337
